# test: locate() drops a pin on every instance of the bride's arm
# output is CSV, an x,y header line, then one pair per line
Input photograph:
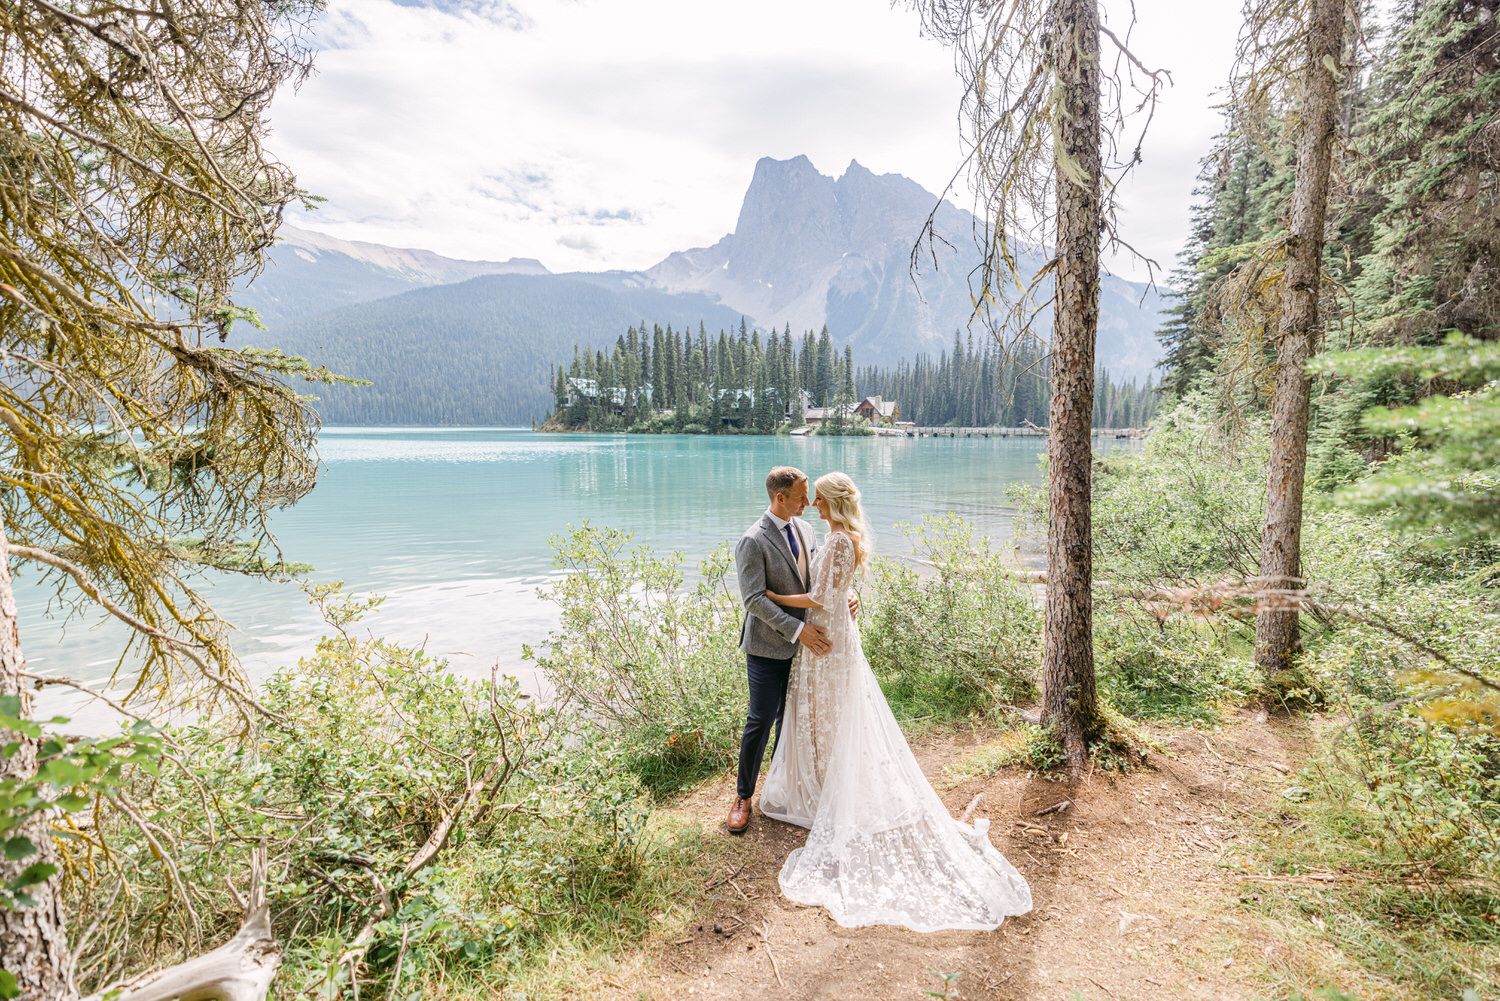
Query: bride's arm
x,y
834,572
792,600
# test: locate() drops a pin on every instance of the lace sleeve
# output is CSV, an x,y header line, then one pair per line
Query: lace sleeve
x,y
834,572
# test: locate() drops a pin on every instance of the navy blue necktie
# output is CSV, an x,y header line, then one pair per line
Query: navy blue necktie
x,y
791,540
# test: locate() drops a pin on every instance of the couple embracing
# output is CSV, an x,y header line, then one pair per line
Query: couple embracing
x,y
881,848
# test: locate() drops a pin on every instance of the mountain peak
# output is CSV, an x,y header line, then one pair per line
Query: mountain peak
x,y
795,164
789,204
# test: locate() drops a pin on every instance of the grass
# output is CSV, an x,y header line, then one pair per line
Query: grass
x,y
1010,748
1369,935
924,696
603,936
679,769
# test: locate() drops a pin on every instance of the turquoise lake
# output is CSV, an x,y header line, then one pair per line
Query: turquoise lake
x,y
452,525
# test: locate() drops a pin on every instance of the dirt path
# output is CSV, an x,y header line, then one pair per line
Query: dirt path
x,y
1132,896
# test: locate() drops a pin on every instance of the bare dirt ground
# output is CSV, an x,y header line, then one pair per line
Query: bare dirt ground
x,y
1134,895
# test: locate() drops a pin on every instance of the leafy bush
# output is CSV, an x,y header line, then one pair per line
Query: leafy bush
x,y
373,755
1186,509
960,641
1169,667
650,670
1403,927
1434,789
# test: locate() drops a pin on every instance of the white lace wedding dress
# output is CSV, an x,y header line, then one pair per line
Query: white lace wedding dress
x,y
882,847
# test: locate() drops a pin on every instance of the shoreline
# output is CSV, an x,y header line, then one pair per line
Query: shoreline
x,y
1122,434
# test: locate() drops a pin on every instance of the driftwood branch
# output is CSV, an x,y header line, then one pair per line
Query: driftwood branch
x,y
239,970
969,810
385,902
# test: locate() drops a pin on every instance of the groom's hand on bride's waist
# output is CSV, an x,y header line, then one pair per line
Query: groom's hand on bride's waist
x,y
815,639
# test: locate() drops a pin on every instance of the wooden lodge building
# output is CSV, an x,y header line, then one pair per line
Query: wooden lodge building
x,y
878,411
873,409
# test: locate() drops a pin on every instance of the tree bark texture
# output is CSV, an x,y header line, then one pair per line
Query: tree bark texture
x,y
33,940
1298,334
1070,706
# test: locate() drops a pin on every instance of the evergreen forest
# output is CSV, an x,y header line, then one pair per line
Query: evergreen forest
x,y
737,384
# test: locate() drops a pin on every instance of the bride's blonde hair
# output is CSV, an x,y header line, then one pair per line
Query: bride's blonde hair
x,y
843,504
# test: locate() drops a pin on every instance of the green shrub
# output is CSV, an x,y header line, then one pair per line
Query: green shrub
x,y
1435,791
368,753
1184,510
1405,924
1187,509
647,669
1170,667
853,427
958,642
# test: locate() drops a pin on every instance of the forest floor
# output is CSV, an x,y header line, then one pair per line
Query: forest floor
x,y
1143,888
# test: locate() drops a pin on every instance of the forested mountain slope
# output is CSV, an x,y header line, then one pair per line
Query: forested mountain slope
x,y
478,352
308,273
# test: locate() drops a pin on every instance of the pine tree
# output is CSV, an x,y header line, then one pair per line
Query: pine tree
x,y
823,369
1298,335
661,390
136,197
807,375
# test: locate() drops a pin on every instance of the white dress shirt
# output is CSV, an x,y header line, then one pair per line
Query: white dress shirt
x,y
781,524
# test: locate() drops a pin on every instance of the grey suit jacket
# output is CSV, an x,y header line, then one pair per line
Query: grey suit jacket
x,y
762,561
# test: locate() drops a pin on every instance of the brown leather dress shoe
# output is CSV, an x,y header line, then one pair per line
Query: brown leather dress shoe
x,y
739,816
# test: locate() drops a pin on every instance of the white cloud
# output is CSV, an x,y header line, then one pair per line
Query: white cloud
x,y
595,134
581,242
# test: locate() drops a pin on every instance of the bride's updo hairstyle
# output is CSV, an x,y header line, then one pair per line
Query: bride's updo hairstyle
x,y
843,504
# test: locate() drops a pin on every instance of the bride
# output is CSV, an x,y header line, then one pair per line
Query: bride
x,y
882,848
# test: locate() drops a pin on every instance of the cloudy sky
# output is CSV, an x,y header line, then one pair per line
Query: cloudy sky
x,y
594,134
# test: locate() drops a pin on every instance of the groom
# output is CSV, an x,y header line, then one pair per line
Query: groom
x,y
774,554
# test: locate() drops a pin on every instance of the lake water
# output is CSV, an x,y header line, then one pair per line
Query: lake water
x,y
452,525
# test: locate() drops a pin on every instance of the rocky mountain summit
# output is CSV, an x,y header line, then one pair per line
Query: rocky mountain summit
x,y
809,249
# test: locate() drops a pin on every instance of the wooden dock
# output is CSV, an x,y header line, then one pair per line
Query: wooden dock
x,y
1020,432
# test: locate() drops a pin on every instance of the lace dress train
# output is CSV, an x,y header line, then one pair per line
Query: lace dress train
x,y
882,847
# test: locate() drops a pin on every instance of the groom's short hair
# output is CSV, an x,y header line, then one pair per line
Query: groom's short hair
x,y
781,480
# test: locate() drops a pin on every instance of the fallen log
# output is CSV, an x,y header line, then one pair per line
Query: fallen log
x,y
239,970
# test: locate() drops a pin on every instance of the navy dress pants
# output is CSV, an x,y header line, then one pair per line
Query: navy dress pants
x,y
768,680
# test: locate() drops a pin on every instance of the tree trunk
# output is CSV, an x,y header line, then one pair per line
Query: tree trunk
x,y
1070,706
1299,331
33,940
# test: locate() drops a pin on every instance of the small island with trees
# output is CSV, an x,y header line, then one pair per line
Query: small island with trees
x,y
670,381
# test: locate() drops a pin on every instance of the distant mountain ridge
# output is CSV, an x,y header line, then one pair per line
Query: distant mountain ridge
x,y
478,352
310,273
807,249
